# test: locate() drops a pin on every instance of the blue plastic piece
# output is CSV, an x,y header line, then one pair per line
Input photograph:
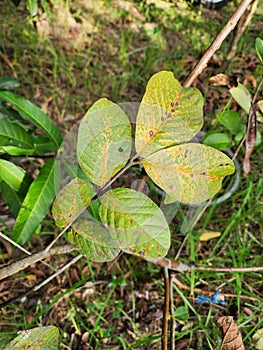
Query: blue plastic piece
x,y
214,299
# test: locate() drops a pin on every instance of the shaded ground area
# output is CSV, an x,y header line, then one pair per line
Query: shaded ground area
x,y
74,53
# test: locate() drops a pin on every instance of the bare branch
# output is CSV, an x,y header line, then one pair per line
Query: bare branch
x,y
25,262
201,65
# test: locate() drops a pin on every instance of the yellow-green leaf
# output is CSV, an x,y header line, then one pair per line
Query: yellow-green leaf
x,y
40,338
91,239
104,141
168,115
190,173
70,201
136,223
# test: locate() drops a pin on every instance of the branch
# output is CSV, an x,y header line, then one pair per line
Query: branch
x,y
201,65
29,260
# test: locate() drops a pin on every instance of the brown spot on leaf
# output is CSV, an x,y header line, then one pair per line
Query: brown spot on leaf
x,y
120,149
151,133
172,104
162,118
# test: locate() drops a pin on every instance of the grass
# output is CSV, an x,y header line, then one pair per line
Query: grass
x,y
85,51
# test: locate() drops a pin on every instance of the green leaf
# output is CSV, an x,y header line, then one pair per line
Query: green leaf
x,y
8,83
217,140
35,115
12,174
43,145
16,135
16,151
242,96
232,121
135,222
13,199
85,237
181,314
259,49
32,6
70,201
168,114
39,338
36,203
104,141
190,173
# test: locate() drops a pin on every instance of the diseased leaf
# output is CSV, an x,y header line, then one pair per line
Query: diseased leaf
x,y
71,201
36,203
242,96
169,114
190,173
259,49
39,338
104,141
135,222
34,114
85,237
232,339
250,138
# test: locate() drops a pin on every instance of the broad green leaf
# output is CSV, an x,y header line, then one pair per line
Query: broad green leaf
x,y
217,140
8,83
242,96
36,203
39,338
181,314
13,198
34,114
12,174
16,135
70,201
16,151
168,115
104,141
190,173
135,222
42,145
85,237
259,49
232,121
32,6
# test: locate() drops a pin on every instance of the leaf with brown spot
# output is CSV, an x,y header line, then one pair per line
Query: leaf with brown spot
x,y
232,339
251,136
190,173
70,201
168,115
104,141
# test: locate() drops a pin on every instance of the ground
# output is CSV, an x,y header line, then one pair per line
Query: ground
x,y
73,53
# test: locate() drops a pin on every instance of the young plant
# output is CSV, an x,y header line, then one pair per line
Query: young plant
x,y
123,219
29,199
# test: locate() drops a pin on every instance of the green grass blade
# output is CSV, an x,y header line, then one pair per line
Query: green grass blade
x,y
36,203
34,114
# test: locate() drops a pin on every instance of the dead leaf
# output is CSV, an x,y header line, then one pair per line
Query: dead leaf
x,y
219,80
232,339
207,235
250,138
257,339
